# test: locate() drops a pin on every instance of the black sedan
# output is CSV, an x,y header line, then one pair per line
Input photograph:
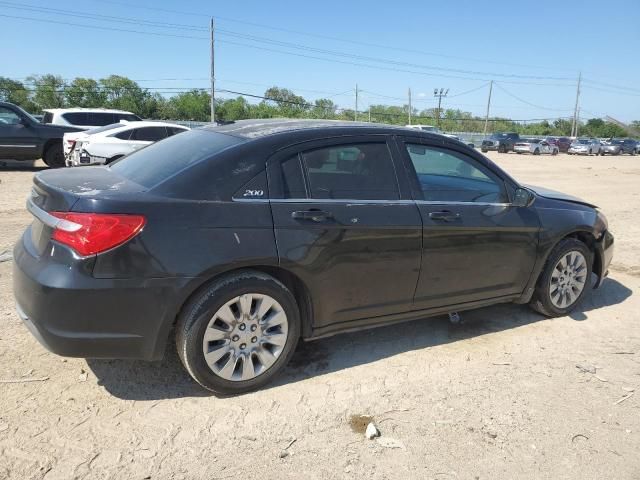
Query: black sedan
x,y
245,237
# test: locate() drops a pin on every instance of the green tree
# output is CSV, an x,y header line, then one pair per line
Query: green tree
x,y
125,94
289,104
323,108
233,109
48,91
85,92
15,92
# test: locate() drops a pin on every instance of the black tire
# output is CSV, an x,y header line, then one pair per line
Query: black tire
x,y
54,156
555,152
483,150
541,300
502,149
197,313
536,152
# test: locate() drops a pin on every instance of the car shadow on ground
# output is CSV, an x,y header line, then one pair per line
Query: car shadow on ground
x,y
22,166
138,380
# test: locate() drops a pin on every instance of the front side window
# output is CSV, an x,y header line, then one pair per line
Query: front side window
x,y
449,176
8,117
362,171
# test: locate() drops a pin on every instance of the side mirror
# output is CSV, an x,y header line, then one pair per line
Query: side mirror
x,y
522,198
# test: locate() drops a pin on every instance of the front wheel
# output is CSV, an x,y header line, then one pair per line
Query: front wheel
x,y
564,280
238,332
536,152
54,156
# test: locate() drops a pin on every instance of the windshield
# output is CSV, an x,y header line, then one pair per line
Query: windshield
x,y
161,160
530,140
616,142
499,136
583,141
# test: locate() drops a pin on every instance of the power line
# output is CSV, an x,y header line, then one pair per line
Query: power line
x,y
264,40
529,103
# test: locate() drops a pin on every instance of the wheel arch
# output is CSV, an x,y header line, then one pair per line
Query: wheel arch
x,y
50,143
290,280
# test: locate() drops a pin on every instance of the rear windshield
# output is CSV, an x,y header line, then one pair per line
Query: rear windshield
x,y
161,160
103,129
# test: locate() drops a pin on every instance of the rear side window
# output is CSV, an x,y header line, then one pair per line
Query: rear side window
x,y
77,118
100,119
361,171
293,178
126,135
159,161
130,117
149,134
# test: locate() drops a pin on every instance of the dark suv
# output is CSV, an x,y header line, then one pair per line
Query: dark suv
x,y
563,143
246,237
22,137
502,142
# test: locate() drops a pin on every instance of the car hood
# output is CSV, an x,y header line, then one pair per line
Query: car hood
x,y
547,193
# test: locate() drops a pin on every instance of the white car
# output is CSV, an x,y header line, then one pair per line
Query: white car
x,y
425,128
535,146
86,117
70,139
111,144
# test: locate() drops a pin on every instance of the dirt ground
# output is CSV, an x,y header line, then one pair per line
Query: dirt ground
x,y
498,397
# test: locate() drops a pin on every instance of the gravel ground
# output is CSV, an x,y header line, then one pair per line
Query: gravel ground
x,y
508,394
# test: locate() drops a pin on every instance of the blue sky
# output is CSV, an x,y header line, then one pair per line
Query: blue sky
x,y
533,50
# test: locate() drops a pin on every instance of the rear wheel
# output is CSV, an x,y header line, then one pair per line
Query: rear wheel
x,y
536,152
565,279
238,333
555,151
502,149
54,156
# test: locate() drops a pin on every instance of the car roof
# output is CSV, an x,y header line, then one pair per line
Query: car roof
x,y
254,129
83,109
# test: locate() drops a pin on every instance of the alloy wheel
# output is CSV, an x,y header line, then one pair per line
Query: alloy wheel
x,y
568,279
245,337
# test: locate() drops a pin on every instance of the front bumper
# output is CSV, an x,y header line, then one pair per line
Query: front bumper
x,y
604,253
74,314
578,151
521,149
485,148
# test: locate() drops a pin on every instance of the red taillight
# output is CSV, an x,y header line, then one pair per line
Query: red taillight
x,y
91,233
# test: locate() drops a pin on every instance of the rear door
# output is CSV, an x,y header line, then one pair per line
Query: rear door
x,y
344,223
476,245
16,138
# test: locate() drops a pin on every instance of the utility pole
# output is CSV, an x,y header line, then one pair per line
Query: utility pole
x,y
441,93
213,71
486,117
355,115
369,113
409,106
574,126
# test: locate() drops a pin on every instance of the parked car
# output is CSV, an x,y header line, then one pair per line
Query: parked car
x,y
563,143
501,142
610,148
425,128
86,118
70,139
246,237
585,146
22,137
535,146
626,145
110,144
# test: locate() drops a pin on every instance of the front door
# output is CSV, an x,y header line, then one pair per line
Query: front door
x,y
476,246
16,138
347,228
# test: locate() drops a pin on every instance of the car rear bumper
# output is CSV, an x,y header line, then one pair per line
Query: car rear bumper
x,y
488,147
76,315
604,251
